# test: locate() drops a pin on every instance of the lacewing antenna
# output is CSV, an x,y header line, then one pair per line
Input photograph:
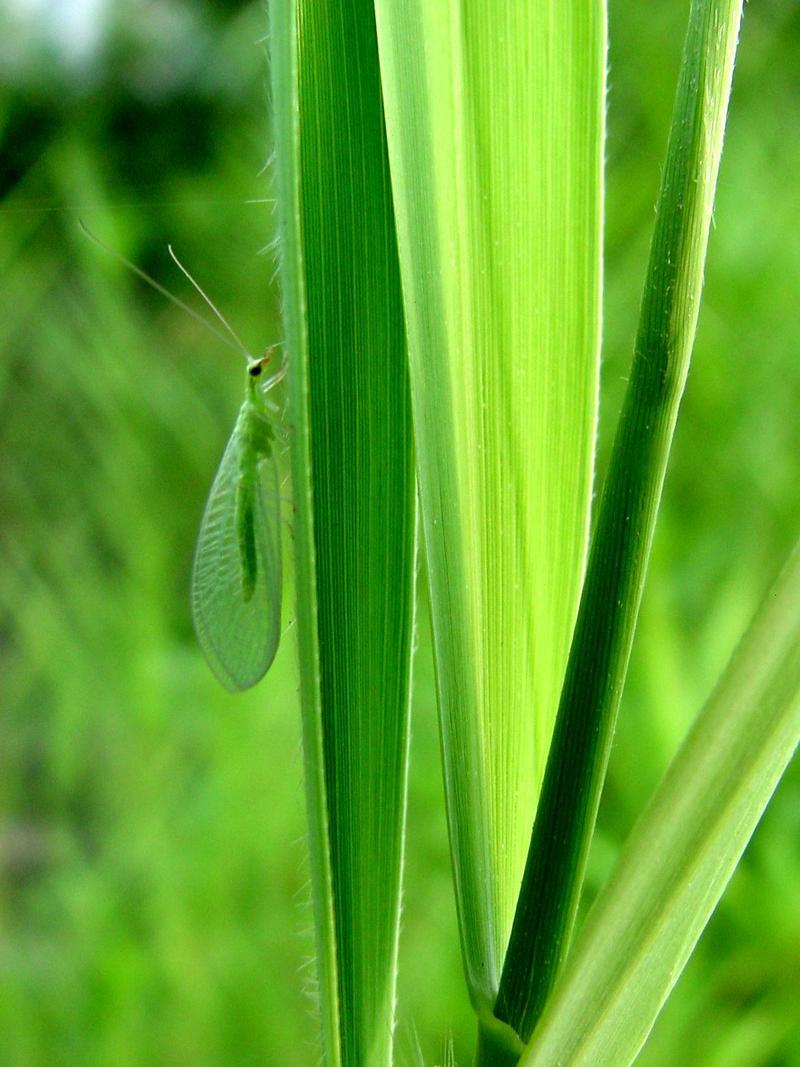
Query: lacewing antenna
x,y
210,302
231,341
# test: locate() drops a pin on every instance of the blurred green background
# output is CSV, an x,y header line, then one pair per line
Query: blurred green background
x,y
153,879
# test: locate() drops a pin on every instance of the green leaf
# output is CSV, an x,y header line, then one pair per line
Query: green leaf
x,y
621,540
683,851
495,120
354,498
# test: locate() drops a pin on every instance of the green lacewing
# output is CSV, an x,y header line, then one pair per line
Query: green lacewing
x,y
237,572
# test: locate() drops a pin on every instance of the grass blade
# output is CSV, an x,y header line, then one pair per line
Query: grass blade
x,y
354,497
495,118
684,849
621,543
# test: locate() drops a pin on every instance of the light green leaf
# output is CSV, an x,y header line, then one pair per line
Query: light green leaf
x,y
354,502
495,120
598,658
683,850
